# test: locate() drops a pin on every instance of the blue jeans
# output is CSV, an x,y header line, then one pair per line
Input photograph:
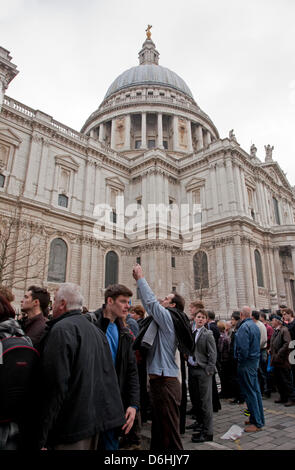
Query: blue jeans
x,y
248,380
110,439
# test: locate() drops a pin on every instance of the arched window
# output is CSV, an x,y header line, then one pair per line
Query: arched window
x,y
63,200
200,262
111,268
259,270
57,261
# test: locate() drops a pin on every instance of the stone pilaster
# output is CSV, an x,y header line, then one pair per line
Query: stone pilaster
x,y
279,276
189,137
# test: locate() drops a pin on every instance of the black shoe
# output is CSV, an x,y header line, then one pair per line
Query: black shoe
x,y
280,401
202,438
192,426
198,428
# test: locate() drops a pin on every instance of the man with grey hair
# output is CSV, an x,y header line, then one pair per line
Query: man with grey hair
x,y
247,352
80,396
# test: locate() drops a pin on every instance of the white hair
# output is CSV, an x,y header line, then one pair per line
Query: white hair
x,y
71,294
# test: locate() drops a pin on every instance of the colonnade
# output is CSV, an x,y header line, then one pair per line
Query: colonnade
x,y
184,134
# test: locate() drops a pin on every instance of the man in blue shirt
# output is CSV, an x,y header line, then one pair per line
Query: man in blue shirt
x,y
161,366
247,352
109,319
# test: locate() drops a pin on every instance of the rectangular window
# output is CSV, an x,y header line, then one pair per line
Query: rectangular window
x,y
151,144
173,261
113,217
138,260
173,288
137,144
2,181
165,144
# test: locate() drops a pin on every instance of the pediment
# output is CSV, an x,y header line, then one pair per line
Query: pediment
x,y
67,161
276,173
8,136
116,183
195,183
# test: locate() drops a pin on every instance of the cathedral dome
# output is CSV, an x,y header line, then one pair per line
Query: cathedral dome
x,y
151,74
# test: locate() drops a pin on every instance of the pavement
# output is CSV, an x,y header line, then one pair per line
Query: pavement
x,y
278,433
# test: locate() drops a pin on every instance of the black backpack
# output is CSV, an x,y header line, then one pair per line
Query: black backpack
x,y
19,363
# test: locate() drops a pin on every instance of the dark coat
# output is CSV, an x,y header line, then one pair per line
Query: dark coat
x,y
79,393
35,327
279,348
126,366
291,328
215,330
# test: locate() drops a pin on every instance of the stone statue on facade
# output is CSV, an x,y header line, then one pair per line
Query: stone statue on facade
x,y
253,151
232,136
148,31
268,153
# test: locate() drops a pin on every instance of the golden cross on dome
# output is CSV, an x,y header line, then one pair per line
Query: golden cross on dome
x,y
148,31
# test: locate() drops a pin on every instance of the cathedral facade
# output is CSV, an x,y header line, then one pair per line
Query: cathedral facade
x,y
81,201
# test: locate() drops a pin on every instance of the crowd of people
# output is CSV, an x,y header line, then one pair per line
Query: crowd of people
x,y
71,379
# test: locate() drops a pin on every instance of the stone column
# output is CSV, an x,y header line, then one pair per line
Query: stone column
x,y
127,131
189,137
143,131
101,132
293,257
279,276
113,133
175,133
160,132
208,137
199,135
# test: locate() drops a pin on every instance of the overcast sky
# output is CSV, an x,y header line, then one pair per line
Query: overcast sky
x,y
236,56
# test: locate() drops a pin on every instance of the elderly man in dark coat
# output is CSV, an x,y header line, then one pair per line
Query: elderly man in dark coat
x,y
80,396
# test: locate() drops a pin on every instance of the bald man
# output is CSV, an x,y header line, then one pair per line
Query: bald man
x,y
247,352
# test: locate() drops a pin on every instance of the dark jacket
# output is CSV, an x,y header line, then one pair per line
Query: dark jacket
x,y
279,348
291,328
247,343
205,352
35,327
79,389
126,366
215,330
